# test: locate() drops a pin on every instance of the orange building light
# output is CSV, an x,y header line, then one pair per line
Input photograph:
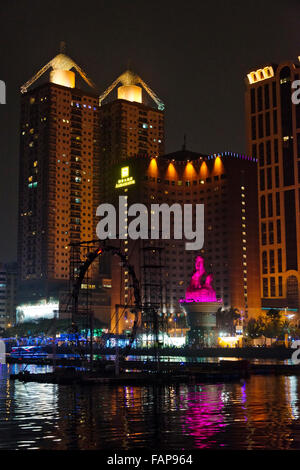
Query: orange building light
x,y
203,170
189,171
218,166
171,172
153,169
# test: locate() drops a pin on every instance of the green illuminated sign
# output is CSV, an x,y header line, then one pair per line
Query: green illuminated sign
x,y
125,179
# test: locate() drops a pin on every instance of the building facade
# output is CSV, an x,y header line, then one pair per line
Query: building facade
x,y
8,293
130,128
58,182
273,137
226,185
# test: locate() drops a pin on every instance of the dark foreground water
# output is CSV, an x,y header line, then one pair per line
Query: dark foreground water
x,y
259,413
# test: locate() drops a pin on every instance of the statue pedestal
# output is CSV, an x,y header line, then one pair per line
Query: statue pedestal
x,y
201,318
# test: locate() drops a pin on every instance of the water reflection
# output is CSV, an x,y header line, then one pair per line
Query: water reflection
x,y
262,412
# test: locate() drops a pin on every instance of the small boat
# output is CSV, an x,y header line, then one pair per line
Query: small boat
x,y
28,351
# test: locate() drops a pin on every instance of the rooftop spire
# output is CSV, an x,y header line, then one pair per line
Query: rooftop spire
x,y
62,47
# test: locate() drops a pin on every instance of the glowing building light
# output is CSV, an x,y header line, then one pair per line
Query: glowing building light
x,y
153,169
230,341
218,166
203,171
125,172
63,78
189,171
260,74
130,93
125,179
171,172
43,309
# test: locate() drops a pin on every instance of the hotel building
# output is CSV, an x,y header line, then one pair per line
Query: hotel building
x,y
226,185
273,137
58,181
8,292
131,127
133,164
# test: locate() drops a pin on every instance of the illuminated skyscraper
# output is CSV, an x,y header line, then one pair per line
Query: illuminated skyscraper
x,y
131,127
273,136
8,292
128,126
59,177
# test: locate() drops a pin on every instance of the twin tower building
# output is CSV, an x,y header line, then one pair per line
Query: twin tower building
x,y
79,149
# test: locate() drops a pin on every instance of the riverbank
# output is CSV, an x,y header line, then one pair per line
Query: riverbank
x,y
241,353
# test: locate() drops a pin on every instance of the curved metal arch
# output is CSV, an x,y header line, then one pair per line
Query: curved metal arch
x,y
135,284
62,62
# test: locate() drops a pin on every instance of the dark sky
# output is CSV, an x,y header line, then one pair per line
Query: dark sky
x,y
194,54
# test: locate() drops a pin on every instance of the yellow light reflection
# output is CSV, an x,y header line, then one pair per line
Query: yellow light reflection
x,y
153,169
218,166
203,171
189,171
260,74
171,172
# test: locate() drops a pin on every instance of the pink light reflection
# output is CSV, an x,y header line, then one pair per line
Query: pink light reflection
x,y
203,417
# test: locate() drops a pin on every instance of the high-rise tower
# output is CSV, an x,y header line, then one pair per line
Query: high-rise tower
x,y
131,127
128,126
226,185
273,136
59,178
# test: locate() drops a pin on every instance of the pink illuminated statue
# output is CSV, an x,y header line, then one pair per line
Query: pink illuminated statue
x,y
200,288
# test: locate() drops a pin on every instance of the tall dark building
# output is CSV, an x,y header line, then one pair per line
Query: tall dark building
x,y
58,182
8,294
128,126
226,185
131,127
273,137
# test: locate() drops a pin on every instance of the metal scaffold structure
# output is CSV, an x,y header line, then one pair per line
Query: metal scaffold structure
x,y
81,308
154,297
148,303
83,255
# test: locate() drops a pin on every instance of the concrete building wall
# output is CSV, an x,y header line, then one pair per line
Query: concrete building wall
x,y
273,136
59,184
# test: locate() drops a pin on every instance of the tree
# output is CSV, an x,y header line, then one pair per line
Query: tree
x,y
226,319
273,314
255,327
274,324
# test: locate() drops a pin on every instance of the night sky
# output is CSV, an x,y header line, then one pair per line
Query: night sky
x,y
193,54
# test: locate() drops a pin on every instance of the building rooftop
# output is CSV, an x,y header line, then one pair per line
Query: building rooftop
x,y
183,155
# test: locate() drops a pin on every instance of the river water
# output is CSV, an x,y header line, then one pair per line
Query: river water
x,y
262,412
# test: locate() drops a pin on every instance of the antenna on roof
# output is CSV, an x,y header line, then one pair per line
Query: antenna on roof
x,y
184,142
62,47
